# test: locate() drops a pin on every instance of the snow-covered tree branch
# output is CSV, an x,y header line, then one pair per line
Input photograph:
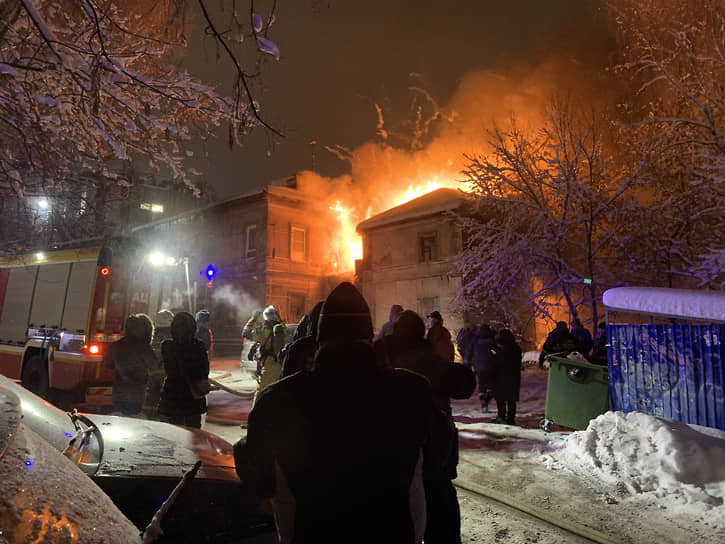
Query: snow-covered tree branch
x,y
674,54
547,224
89,87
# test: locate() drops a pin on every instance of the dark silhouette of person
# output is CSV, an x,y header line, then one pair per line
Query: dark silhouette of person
x,y
337,453
300,354
559,341
483,364
407,348
508,376
440,337
387,327
203,332
131,359
583,337
186,364
600,347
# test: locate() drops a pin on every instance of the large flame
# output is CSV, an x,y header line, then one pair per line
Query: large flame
x,y
348,216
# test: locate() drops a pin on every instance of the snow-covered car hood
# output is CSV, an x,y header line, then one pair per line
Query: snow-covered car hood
x,y
44,497
137,447
128,446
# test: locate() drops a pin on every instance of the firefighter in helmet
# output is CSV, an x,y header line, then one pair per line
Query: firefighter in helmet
x,y
269,341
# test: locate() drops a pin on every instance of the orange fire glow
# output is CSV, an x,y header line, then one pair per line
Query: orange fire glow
x,y
351,241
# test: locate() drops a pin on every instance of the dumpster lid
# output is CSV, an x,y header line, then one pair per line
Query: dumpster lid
x,y
676,303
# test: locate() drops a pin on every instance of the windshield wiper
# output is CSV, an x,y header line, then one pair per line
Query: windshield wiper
x,y
76,445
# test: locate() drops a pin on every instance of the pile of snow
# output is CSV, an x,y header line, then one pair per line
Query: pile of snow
x,y
650,457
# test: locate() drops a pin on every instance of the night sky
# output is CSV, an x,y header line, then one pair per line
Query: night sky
x,y
339,58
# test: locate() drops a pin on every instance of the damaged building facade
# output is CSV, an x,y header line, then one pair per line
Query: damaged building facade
x,y
273,246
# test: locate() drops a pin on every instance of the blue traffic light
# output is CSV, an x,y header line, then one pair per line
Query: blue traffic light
x,y
210,271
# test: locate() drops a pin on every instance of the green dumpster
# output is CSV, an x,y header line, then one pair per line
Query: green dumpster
x,y
576,392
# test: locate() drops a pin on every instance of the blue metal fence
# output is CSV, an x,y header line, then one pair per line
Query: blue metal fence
x,y
672,371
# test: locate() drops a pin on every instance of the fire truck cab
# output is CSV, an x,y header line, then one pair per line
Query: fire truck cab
x,y
58,312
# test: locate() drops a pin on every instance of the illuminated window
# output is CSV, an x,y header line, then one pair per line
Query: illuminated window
x,y
251,242
298,244
153,208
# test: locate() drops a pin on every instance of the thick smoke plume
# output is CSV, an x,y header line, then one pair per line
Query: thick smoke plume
x,y
239,305
383,172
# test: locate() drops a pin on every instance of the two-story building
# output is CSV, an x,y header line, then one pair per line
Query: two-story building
x,y
407,253
274,245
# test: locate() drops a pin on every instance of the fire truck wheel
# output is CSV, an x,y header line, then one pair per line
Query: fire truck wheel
x,y
35,376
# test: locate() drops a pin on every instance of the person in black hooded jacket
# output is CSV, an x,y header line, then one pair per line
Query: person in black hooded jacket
x,y
300,354
336,454
508,376
407,348
131,358
186,364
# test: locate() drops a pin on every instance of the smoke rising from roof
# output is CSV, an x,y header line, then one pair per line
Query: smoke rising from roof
x,y
384,168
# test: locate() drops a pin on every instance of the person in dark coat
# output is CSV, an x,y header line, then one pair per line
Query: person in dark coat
x,y
203,332
559,341
387,328
407,348
336,454
300,353
583,337
131,358
484,346
440,337
464,343
600,347
162,332
187,366
508,376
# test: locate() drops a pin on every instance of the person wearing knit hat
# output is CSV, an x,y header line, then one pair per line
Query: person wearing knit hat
x,y
440,337
336,453
345,316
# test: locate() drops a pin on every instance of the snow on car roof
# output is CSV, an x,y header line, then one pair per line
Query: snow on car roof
x,y
661,301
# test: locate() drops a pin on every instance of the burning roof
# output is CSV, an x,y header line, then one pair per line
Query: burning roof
x,y
440,200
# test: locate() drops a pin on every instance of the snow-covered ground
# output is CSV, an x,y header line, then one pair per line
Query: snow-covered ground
x,y
631,477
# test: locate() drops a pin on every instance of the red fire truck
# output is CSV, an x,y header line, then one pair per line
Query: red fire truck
x,y
58,312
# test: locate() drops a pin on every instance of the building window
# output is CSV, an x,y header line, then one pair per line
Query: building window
x,y
298,244
250,248
151,207
428,248
427,305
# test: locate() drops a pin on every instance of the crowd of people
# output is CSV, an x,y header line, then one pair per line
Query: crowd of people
x,y
162,371
356,440
348,429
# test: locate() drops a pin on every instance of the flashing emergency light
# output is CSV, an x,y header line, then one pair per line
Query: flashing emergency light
x,y
94,349
105,271
210,272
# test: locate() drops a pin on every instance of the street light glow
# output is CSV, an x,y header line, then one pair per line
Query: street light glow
x,y
43,204
157,259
